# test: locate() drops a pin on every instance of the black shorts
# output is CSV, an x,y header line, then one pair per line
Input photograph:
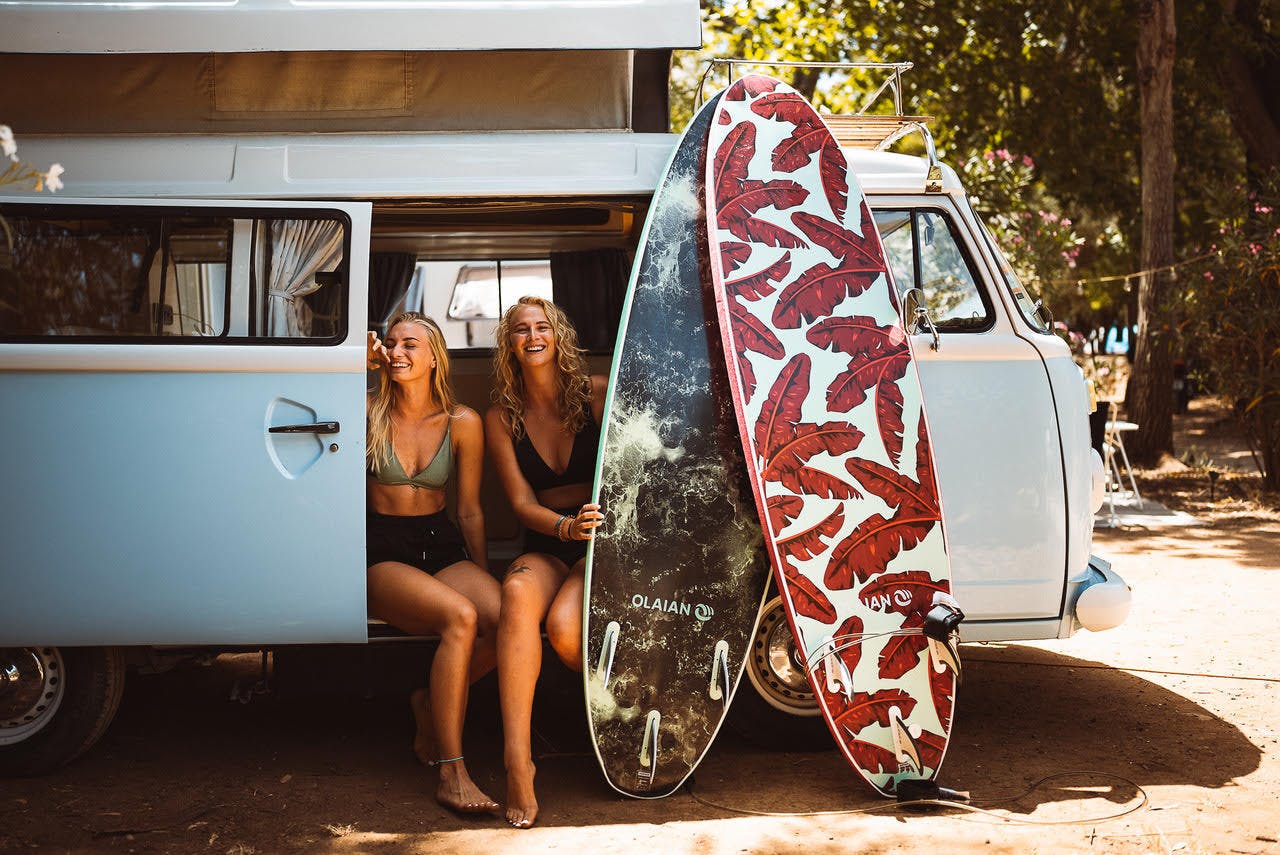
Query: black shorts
x,y
568,551
430,543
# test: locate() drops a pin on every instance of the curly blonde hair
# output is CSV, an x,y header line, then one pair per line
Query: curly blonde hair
x,y
378,447
571,377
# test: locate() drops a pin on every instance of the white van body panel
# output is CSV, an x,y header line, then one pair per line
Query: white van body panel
x,y
200,26
147,502
333,166
994,429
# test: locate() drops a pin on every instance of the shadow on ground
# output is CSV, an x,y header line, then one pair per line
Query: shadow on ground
x,y
184,767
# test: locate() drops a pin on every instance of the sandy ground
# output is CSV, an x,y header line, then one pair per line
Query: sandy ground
x,y
1162,734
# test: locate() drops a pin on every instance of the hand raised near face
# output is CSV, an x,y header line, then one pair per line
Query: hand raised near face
x,y
377,355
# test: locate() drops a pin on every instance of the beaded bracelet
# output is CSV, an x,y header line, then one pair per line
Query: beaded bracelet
x,y
559,523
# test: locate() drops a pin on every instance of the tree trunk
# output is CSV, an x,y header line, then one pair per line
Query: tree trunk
x,y
1150,397
1250,76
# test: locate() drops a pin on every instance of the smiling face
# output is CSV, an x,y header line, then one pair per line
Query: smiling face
x,y
410,352
532,337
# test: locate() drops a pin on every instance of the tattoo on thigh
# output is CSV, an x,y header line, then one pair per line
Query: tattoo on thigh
x,y
519,568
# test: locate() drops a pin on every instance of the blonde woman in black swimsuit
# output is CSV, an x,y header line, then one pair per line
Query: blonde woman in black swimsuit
x,y
542,434
426,575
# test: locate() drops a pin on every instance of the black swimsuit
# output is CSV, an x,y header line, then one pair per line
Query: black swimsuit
x,y
580,470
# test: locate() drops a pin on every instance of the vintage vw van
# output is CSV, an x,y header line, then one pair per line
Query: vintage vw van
x,y
251,187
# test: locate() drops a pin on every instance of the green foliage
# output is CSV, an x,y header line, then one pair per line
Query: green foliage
x,y
1234,315
1040,243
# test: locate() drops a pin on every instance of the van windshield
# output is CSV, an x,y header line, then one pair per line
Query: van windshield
x,y
1032,309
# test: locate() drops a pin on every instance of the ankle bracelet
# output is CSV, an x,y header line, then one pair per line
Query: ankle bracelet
x,y
439,762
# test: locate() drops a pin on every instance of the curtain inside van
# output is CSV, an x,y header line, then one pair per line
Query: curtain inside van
x,y
591,286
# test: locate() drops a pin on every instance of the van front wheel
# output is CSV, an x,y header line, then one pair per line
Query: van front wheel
x,y
55,703
774,706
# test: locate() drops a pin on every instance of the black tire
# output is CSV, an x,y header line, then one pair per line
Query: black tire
x,y
774,706
92,683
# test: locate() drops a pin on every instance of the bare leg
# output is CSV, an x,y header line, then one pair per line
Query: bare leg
x,y
564,619
420,604
478,586
527,593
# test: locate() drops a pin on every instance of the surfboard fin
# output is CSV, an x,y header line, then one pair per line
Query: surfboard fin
x,y
942,628
945,654
904,744
649,742
836,672
604,667
719,689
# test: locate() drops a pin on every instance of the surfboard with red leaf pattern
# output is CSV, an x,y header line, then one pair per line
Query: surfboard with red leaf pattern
x,y
833,428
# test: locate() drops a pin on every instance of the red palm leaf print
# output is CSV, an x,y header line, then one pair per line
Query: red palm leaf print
x,y
780,413
809,134
901,653
761,284
880,359
783,510
942,685
835,178
750,334
785,444
904,593
732,159
732,254
874,758
817,292
897,490
866,709
849,637
808,543
870,547
751,86
924,463
736,212
932,748
839,241
807,598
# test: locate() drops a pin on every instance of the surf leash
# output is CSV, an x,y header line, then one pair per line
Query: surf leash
x,y
962,804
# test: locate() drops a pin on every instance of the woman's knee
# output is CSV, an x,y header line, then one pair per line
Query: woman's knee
x,y
564,633
461,621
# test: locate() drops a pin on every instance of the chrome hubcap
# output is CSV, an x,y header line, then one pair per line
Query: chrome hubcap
x,y
31,688
775,669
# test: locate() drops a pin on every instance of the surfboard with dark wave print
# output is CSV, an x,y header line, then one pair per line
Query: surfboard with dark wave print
x,y
676,576
833,426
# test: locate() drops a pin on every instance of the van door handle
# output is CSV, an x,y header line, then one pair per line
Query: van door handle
x,y
315,427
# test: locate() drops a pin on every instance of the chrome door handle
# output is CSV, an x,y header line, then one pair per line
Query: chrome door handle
x,y
314,427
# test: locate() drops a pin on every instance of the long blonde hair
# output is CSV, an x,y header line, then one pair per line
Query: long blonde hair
x,y
378,448
572,380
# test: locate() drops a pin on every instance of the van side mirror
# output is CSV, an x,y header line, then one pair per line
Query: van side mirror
x,y
916,318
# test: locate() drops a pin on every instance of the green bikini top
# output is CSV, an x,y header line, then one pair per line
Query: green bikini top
x,y
433,477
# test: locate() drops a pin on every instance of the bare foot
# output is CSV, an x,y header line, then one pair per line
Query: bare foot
x,y
522,804
459,793
424,737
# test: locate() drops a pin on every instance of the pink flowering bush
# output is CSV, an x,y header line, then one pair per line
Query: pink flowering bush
x,y
1041,243
1233,312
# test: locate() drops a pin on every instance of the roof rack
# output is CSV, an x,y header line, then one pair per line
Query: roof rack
x,y
857,129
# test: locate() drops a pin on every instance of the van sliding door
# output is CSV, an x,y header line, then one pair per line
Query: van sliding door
x,y
183,418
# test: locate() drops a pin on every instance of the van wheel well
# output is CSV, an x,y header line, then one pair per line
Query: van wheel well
x,y
55,703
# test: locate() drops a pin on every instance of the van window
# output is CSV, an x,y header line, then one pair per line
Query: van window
x,y
151,274
924,252
468,297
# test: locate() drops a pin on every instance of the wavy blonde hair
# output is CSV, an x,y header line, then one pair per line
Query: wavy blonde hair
x,y
571,377
378,447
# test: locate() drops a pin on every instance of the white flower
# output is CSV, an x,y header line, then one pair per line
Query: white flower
x,y
7,144
52,179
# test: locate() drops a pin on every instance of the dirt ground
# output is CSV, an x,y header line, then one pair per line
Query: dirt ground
x,y
1157,736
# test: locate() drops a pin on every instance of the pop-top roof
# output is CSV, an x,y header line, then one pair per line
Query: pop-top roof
x,y
239,26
